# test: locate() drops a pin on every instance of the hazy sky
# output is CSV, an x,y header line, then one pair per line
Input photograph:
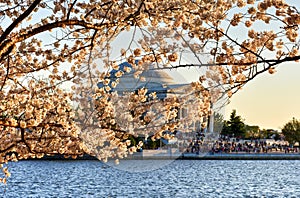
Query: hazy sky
x,y
269,101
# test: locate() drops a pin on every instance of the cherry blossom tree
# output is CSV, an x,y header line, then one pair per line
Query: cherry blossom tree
x,y
54,53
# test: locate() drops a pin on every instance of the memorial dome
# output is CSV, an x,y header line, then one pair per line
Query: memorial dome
x,y
154,80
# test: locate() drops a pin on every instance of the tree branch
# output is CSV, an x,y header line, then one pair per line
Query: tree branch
x,y
32,6
6,46
6,76
70,10
271,62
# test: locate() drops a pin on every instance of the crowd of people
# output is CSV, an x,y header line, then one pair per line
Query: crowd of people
x,y
232,145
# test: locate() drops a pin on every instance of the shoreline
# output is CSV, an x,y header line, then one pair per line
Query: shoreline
x,y
193,156
246,156
225,156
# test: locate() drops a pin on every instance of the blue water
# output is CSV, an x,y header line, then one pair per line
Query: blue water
x,y
181,178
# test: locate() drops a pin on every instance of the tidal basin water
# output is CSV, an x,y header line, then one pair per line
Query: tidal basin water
x,y
180,178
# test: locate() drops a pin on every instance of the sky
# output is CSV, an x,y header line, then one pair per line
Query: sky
x,y
270,100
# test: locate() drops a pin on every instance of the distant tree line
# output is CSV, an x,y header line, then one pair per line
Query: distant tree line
x,y
236,127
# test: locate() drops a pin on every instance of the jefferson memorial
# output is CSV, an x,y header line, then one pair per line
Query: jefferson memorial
x,y
155,80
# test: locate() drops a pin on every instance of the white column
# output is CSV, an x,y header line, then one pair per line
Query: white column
x,y
211,120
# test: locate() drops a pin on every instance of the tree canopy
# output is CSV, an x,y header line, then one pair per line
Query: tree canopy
x,y
54,53
291,131
235,126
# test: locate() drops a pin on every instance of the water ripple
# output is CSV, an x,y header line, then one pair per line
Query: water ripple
x,y
182,178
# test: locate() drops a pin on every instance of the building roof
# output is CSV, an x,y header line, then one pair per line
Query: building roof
x,y
156,80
